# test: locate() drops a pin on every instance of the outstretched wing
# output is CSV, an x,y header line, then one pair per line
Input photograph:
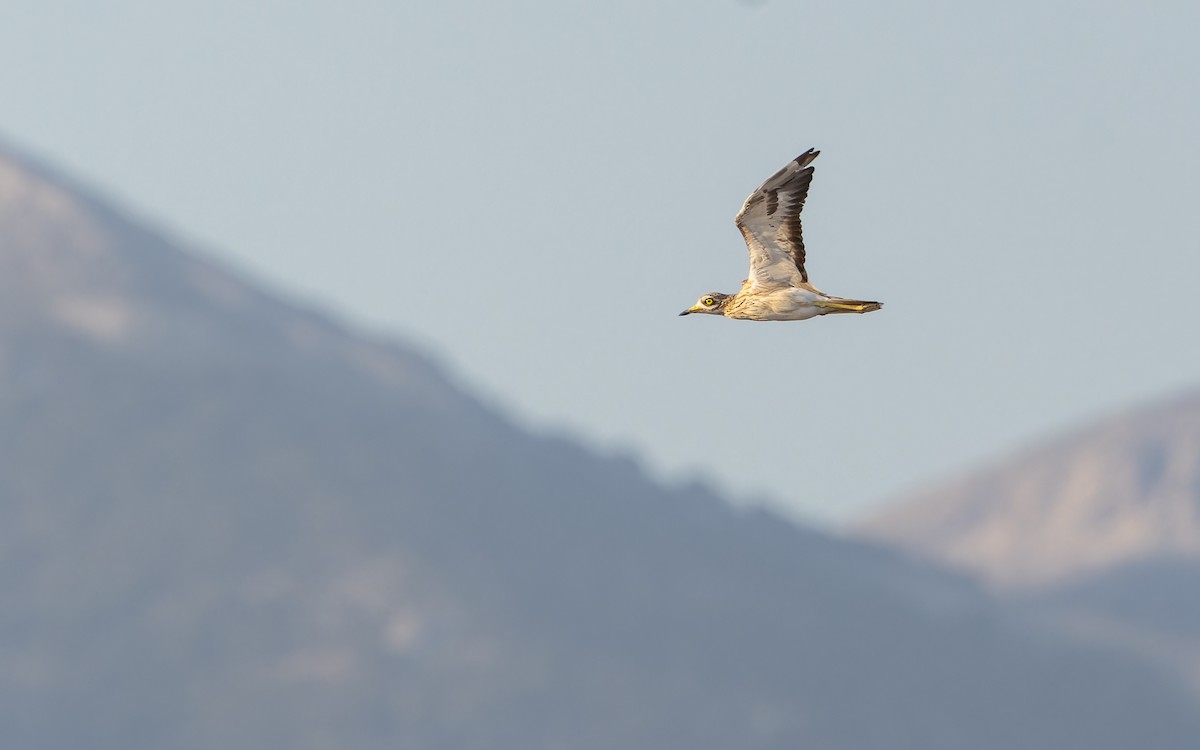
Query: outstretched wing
x,y
770,222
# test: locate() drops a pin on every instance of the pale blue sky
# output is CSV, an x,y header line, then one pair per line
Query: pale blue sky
x,y
533,190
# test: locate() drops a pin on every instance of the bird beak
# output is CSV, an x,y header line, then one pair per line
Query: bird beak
x,y
688,311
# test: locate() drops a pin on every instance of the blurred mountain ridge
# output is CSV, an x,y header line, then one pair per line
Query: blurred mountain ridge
x,y
230,521
1096,533
1123,490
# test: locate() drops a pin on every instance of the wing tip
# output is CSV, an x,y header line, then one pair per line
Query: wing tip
x,y
796,169
803,160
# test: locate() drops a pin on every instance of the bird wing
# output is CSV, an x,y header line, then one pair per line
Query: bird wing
x,y
770,222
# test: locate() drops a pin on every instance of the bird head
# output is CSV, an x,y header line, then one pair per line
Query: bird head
x,y
713,302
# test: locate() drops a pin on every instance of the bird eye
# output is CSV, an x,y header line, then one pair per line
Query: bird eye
x,y
708,302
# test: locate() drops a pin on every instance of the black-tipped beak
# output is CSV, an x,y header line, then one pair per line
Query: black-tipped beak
x,y
686,312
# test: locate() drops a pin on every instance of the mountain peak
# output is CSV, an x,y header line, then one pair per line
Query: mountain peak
x,y
68,260
1123,490
56,256
74,266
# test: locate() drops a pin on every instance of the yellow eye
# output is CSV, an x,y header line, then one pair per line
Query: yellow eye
x,y
708,302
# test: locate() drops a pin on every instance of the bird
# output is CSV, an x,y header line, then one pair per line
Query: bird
x,y
778,287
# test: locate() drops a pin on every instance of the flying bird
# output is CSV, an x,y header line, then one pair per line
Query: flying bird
x,y
778,287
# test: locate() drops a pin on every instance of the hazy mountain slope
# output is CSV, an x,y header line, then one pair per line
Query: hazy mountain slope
x,y
1124,490
1096,534
1149,608
226,522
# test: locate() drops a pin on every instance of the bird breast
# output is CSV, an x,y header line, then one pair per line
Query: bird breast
x,y
777,304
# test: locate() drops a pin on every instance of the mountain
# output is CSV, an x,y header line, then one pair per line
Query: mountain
x,y
229,521
1096,534
1124,491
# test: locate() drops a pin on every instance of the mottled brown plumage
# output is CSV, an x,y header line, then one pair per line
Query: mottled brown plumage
x,y
778,287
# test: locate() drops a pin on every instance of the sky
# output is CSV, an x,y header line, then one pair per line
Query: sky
x,y
532,191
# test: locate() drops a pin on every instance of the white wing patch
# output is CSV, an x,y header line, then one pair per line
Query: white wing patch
x,y
770,223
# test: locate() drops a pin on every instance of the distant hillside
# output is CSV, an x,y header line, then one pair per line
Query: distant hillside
x,y
1096,535
1122,491
1149,609
226,522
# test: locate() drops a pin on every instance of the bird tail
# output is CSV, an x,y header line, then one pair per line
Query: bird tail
x,y
834,305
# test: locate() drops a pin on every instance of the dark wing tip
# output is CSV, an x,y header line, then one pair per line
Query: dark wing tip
x,y
803,160
792,173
